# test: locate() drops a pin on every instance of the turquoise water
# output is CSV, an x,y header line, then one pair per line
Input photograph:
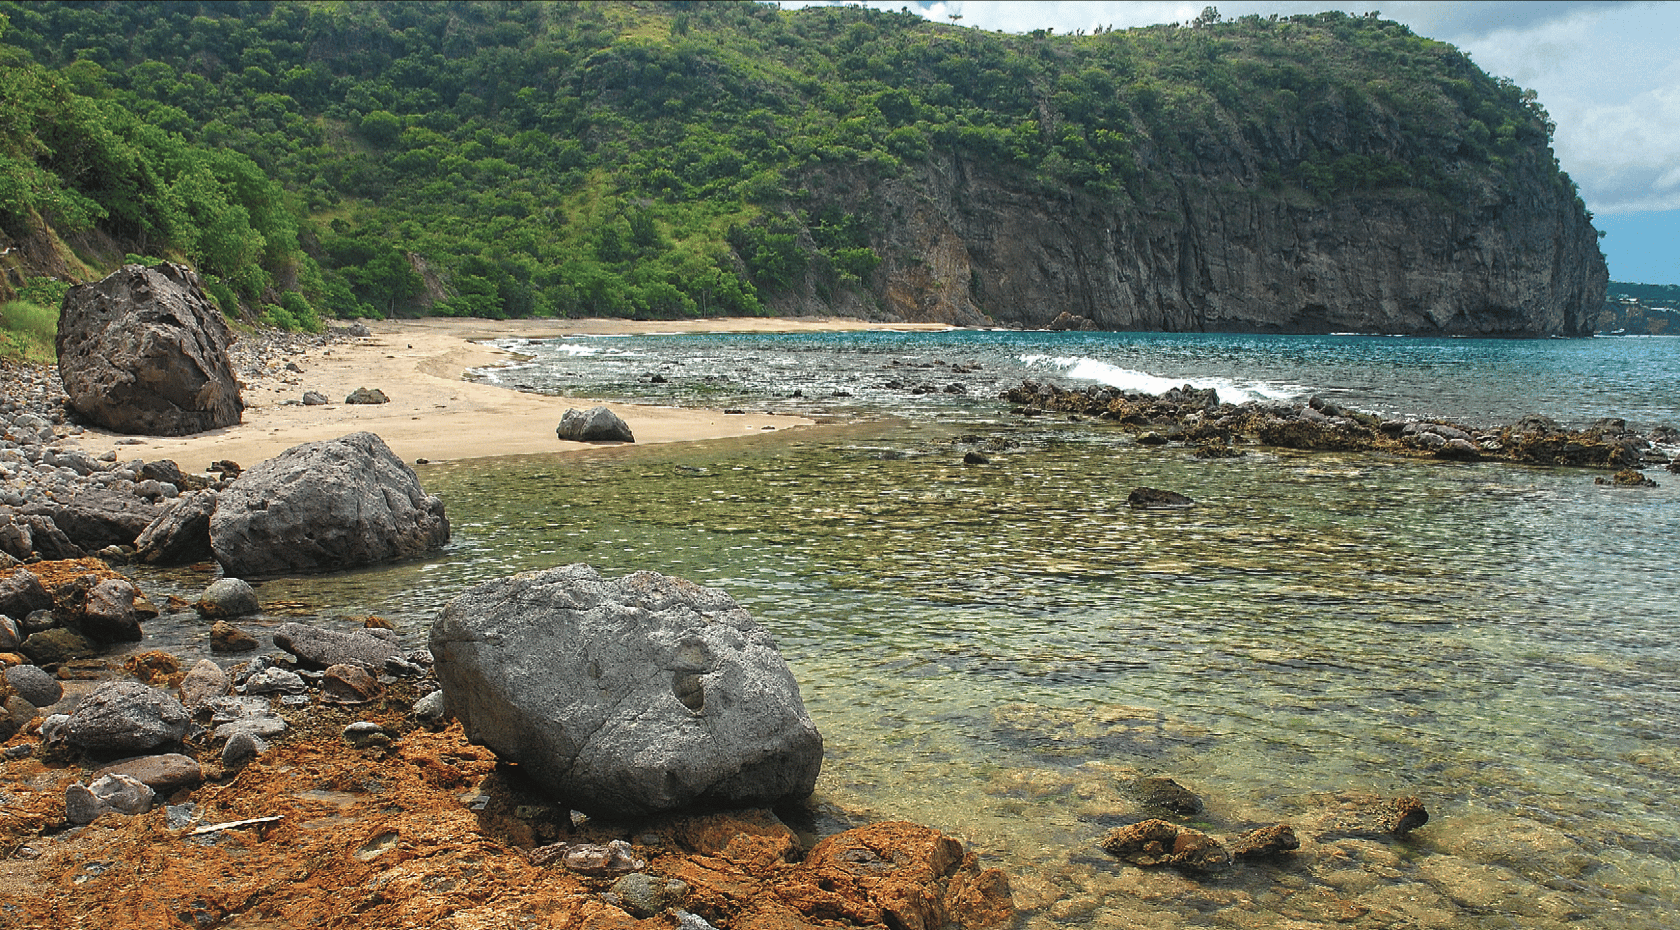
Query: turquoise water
x,y
997,649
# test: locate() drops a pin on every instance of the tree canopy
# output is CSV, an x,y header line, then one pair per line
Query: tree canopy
x,y
509,159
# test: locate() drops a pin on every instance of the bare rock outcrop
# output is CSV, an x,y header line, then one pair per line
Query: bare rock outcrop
x,y
145,351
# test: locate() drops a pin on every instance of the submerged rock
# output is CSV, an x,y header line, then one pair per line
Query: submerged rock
x,y
227,598
1154,498
626,697
1159,842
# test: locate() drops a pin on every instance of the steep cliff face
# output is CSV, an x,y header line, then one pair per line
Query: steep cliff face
x,y
963,243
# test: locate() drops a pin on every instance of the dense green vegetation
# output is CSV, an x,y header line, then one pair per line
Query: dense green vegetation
x,y
1662,295
504,159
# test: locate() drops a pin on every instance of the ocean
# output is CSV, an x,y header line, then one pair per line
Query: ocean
x,y
999,649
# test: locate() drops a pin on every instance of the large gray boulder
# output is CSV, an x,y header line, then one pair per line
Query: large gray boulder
x,y
145,351
323,506
626,697
597,424
93,518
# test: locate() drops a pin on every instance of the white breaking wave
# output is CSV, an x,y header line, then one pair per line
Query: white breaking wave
x,y
1080,368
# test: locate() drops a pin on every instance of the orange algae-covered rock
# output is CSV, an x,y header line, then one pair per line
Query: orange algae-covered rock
x,y
433,833
896,874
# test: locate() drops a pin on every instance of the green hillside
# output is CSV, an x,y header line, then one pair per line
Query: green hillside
x,y
505,159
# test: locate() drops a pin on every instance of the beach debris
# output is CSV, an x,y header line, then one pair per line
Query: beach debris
x,y
597,424
325,506
631,696
126,717
180,534
364,395
1160,842
235,825
145,351
1157,499
320,648
226,598
120,794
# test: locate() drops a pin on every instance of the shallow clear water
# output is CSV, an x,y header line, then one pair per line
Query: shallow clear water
x,y
994,649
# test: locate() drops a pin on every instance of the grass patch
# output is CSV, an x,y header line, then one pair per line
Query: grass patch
x,y
28,331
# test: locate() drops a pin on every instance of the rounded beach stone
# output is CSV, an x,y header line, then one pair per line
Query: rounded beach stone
x,y
228,597
34,685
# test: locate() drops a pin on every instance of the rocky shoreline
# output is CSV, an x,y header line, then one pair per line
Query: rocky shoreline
x,y
322,781
1196,418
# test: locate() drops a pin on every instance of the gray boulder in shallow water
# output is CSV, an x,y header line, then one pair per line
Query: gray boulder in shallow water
x,y
597,424
324,506
626,697
145,351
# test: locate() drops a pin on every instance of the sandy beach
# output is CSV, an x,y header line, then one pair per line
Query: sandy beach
x,y
433,413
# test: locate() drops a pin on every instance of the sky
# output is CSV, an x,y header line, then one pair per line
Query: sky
x,y
1607,72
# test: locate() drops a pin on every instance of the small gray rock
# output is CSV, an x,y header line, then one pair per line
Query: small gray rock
x,y
107,794
363,734
364,395
34,685
319,648
275,681
226,598
597,424
242,746
645,895
203,683
431,709
314,399
10,635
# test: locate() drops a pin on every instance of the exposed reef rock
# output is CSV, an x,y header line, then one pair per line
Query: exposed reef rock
x,y
1198,418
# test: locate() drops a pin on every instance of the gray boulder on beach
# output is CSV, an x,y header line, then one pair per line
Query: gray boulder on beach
x,y
145,351
626,697
325,506
597,424
126,717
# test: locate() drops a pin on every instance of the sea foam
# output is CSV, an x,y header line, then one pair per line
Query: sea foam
x,y
1080,368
